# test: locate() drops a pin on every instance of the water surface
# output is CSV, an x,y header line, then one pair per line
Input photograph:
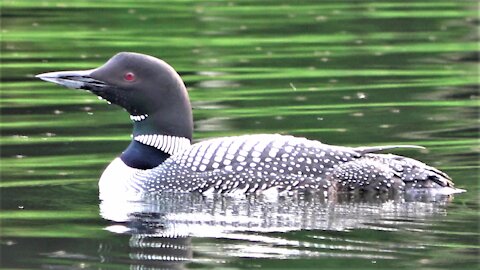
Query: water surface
x,y
342,72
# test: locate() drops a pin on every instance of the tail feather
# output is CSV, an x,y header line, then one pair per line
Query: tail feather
x,y
387,172
411,171
414,173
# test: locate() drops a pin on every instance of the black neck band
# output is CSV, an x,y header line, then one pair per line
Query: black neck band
x,y
142,156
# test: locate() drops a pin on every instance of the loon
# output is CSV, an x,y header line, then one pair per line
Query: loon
x,y
161,158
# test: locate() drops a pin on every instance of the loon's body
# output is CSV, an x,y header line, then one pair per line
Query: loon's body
x,y
275,164
162,158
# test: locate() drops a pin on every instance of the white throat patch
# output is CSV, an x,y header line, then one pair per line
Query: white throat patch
x,y
166,143
138,118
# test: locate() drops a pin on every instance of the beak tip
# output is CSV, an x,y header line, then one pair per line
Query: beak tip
x,y
44,76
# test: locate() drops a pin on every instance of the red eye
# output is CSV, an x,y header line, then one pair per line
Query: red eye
x,y
129,77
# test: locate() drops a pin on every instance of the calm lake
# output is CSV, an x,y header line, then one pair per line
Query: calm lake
x,y
343,72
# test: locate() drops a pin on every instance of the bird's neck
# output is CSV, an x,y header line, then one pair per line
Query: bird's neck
x,y
141,156
157,136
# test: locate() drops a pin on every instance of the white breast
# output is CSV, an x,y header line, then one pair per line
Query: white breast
x,y
116,181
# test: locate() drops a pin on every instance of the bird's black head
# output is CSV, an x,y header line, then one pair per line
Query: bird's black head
x,y
148,88
139,83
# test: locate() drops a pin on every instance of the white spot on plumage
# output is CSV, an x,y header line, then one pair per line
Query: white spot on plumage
x,y
273,152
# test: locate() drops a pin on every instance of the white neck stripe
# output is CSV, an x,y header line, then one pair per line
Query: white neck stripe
x,y
166,143
138,118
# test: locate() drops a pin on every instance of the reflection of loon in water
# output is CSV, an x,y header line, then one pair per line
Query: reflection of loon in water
x,y
162,229
160,157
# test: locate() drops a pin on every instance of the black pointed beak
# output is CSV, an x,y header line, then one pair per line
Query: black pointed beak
x,y
81,79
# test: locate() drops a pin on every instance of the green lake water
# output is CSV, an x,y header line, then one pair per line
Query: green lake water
x,y
343,72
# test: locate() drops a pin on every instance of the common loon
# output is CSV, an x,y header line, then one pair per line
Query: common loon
x,y
161,157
